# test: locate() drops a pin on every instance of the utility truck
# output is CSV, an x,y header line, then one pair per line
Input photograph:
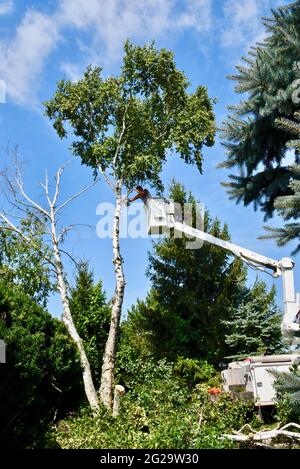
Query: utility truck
x,y
249,378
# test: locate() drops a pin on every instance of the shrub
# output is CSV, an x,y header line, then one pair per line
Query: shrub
x,y
158,412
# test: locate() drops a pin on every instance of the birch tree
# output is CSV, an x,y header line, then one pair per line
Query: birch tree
x,y
124,127
31,218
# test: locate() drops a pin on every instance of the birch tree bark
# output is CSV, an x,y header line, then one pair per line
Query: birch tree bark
x,y
89,387
109,358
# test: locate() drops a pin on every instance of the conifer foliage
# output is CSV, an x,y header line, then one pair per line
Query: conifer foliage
x,y
255,144
287,385
254,327
192,292
289,205
91,313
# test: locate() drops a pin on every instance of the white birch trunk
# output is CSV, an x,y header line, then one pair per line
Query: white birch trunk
x,y
107,375
119,392
89,387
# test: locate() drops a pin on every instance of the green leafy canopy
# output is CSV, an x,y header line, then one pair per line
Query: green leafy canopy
x,y
24,265
127,124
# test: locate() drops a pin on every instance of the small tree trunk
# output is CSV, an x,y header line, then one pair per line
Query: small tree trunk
x,y
119,392
107,376
89,387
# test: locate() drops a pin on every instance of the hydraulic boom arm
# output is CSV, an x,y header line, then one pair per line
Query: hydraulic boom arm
x,y
161,215
257,260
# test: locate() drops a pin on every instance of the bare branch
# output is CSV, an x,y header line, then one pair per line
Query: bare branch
x,y
19,204
63,232
161,135
82,191
57,186
34,204
69,255
46,188
60,238
12,227
55,387
57,181
106,178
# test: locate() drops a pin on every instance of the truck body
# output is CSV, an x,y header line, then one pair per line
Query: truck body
x,y
252,378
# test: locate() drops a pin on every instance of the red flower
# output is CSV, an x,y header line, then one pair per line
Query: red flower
x,y
214,391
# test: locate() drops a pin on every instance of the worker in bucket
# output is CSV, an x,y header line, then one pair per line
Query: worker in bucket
x,y
142,194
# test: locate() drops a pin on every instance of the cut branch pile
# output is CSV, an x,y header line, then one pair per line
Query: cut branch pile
x,y
266,437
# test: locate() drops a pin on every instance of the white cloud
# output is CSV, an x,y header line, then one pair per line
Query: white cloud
x,y
197,15
98,28
23,59
6,7
115,20
242,23
107,23
72,71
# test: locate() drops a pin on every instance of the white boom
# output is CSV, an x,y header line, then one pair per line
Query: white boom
x,y
160,217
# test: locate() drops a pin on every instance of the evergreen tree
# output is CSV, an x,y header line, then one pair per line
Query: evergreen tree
x,y
254,326
287,385
91,314
289,205
41,379
192,292
255,144
292,128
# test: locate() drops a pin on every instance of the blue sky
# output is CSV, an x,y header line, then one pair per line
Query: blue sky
x,y
43,41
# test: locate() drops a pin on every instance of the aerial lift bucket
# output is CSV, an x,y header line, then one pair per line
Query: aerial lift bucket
x,y
159,215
